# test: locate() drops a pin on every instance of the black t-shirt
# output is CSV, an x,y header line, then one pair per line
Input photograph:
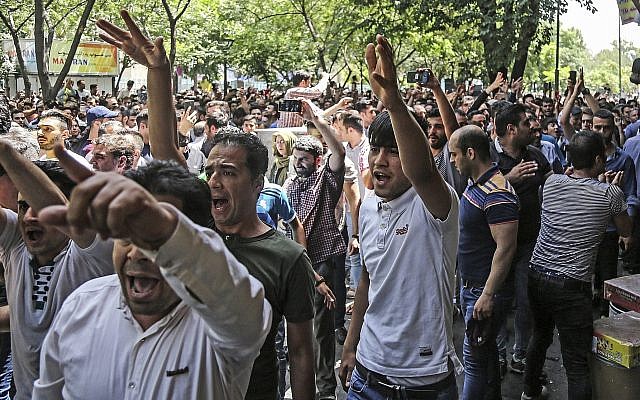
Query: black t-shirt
x,y
527,190
285,271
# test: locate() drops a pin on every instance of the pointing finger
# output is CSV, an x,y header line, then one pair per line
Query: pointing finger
x,y
76,171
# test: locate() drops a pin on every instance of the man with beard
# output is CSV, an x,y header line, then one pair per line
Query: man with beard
x,y
314,194
526,169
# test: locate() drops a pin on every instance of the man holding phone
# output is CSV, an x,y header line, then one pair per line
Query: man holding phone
x,y
302,89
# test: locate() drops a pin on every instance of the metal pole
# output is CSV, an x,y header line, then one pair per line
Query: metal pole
x,y
557,72
225,84
620,54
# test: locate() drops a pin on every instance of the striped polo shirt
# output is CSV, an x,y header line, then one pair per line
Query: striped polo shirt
x,y
488,201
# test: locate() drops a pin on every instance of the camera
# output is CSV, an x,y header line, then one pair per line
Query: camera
x,y
421,77
290,105
573,76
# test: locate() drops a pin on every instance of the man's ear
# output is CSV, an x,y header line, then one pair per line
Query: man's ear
x,y
122,161
471,153
65,134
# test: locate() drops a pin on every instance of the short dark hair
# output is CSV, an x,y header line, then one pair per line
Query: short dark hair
x,y
351,120
511,114
381,131
362,105
309,144
57,175
161,177
547,100
143,116
473,137
257,153
584,147
300,76
604,114
549,120
434,113
57,115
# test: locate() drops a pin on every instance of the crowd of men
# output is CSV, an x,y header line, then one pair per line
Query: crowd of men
x,y
417,204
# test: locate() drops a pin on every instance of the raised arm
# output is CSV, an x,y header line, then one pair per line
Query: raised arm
x,y
163,136
567,128
340,105
35,187
446,110
416,159
313,114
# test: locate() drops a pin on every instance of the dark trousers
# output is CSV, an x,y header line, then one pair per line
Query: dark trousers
x,y
339,287
606,267
324,331
570,310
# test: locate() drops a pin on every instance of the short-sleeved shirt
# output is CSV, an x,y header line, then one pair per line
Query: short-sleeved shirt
x,y
314,199
575,213
360,157
527,190
489,201
31,321
273,199
283,268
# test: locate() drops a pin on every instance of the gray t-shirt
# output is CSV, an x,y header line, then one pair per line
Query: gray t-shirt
x,y
575,214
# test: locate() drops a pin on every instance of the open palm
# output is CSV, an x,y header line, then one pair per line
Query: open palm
x,y
134,43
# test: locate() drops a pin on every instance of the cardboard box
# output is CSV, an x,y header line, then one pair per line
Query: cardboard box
x,y
617,339
624,291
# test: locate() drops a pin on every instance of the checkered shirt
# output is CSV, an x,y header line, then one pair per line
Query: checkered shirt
x,y
314,199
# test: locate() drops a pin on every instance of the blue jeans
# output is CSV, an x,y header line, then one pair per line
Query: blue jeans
x,y
353,261
570,310
360,390
481,368
522,315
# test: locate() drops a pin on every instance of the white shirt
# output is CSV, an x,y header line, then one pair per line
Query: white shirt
x,y
410,256
72,267
200,350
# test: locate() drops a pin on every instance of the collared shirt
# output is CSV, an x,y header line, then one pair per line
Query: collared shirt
x,y
619,160
488,201
314,199
359,155
30,322
203,349
408,253
527,190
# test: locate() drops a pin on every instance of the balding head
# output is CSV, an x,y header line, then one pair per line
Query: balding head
x,y
470,137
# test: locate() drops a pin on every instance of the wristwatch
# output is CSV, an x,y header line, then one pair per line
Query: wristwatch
x,y
320,281
355,236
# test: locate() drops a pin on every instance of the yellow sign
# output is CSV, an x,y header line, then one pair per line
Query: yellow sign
x,y
628,11
90,58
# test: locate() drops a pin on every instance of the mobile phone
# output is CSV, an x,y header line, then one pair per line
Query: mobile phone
x,y
421,77
573,76
187,104
291,105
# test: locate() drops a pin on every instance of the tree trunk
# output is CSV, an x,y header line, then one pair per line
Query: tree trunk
x,y
527,32
16,44
43,49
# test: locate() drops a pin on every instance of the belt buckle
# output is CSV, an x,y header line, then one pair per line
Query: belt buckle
x,y
395,388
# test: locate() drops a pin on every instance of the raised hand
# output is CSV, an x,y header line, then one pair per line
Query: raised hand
x,y
112,205
382,73
187,120
495,85
134,43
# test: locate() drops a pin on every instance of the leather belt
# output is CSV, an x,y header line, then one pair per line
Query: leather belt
x,y
382,385
556,278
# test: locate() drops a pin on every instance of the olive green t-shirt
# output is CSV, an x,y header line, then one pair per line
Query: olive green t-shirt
x,y
285,271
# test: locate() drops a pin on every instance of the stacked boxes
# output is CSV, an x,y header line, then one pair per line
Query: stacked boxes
x,y
617,339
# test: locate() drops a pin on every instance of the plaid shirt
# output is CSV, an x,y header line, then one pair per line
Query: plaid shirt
x,y
291,119
314,199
